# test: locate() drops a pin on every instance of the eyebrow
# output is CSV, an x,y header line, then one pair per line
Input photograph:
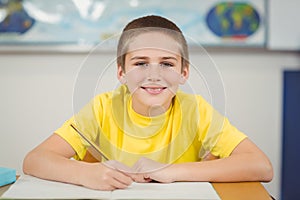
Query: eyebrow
x,y
145,57
139,58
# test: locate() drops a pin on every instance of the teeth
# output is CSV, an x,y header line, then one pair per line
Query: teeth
x,y
154,89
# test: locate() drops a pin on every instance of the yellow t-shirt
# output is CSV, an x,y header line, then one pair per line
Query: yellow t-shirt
x,y
186,132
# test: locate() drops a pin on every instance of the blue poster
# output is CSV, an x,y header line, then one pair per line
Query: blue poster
x,y
89,22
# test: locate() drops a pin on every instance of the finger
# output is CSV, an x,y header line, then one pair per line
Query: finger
x,y
147,178
112,182
140,178
107,188
123,178
117,184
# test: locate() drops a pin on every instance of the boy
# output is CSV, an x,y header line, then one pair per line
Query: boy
x,y
181,136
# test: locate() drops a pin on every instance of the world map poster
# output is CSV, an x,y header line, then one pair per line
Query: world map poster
x,y
90,22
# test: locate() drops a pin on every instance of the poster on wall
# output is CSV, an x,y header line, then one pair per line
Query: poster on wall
x,y
77,22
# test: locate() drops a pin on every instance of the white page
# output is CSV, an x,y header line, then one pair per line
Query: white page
x,y
28,187
177,190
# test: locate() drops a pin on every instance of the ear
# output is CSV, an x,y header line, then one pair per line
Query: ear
x,y
121,75
184,75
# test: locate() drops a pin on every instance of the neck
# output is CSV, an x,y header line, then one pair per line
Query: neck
x,y
150,111
156,110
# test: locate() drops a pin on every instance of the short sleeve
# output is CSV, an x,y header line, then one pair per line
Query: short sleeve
x,y
87,122
216,134
228,139
72,137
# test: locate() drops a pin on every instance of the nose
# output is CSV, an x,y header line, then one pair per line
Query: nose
x,y
154,73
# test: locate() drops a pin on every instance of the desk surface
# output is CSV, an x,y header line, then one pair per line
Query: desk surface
x,y
242,190
227,191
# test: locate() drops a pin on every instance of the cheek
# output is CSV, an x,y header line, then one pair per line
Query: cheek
x,y
173,80
134,78
172,77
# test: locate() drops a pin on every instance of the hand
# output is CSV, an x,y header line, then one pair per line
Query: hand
x,y
163,175
133,172
101,177
147,170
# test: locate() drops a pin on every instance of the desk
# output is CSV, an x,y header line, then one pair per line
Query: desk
x,y
227,191
242,190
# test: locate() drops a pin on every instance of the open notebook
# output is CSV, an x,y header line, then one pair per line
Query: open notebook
x,y
28,187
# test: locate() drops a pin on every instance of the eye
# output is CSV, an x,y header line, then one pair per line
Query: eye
x,y
166,64
141,64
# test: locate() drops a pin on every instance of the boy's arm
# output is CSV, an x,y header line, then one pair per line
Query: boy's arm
x,y
246,163
51,160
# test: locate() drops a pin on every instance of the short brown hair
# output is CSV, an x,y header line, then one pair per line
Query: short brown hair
x,y
146,24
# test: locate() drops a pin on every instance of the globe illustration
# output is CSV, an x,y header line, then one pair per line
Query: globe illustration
x,y
233,20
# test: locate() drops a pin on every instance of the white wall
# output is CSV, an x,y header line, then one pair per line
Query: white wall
x,y
283,29
37,94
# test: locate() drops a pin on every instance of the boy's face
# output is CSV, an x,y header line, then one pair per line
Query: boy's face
x,y
153,72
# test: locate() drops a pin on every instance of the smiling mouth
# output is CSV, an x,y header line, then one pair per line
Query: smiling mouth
x,y
154,90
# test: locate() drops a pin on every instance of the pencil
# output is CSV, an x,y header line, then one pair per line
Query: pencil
x,y
89,142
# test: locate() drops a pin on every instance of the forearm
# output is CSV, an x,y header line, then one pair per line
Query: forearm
x,y
51,160
51,166
242,167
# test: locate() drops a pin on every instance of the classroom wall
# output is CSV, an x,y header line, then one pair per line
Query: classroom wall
x,y
37,96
